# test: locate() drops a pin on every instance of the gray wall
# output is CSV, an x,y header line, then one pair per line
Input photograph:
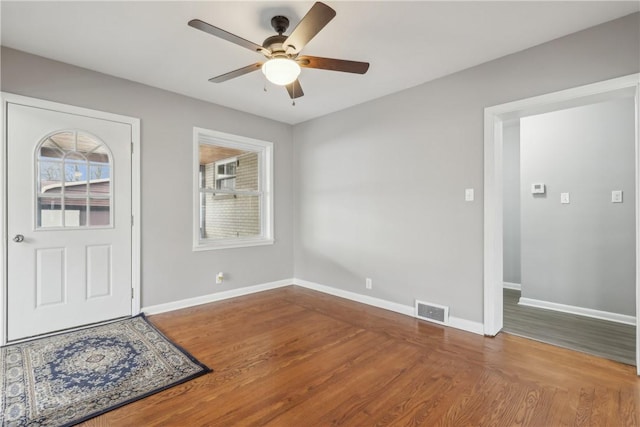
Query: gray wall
x,y
511,202
581,253
170,269
379,188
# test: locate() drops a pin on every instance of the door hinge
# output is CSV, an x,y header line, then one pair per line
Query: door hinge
x,y
131,147
132,220
132,291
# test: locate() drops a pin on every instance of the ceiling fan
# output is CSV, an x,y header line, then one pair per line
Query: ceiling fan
x,y
282,53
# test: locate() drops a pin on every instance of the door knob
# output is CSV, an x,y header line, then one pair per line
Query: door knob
x,y
19,238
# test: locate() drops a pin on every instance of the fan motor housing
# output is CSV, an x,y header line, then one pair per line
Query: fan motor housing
x,y
274,43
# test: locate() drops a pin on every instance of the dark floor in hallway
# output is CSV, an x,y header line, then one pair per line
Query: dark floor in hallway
x,y
611,340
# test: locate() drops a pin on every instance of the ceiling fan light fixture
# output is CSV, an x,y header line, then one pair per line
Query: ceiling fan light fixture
x,y
281,71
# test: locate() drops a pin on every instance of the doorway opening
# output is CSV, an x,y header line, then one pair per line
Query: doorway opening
x,y
495,132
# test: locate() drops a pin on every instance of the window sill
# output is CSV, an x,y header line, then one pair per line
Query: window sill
x,y
231,243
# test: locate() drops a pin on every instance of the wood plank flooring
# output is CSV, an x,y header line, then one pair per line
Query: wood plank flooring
x,y
612,340
295,357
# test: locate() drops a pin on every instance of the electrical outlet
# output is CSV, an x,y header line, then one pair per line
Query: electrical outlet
x,y
219,278
616,196
368,283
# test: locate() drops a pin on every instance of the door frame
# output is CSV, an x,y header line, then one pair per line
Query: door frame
x,y
626,86
10,98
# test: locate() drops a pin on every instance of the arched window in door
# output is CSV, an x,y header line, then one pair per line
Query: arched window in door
x,y
73,181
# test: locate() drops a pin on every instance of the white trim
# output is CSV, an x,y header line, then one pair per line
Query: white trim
x,y
407,310
265,170
493,259
466,325
136,212
3,223
620,87
6,98
239,242
637,158
218,296
511,285
494,116
580,311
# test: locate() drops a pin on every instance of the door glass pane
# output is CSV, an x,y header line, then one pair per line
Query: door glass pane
x,y
75,212
75,177
58,144
73,166
99,212
49,213
99,178
49,176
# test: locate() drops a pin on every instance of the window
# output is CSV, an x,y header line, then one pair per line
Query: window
x,y
233,181
226,174
73,182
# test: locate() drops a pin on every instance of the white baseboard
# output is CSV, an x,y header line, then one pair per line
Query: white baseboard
x,y
407,310
218,296
580,311
466,325
511,285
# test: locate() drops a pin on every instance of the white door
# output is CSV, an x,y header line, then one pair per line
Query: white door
x,y
68,220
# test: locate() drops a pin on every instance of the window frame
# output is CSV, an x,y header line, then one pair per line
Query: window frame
x,y
265,189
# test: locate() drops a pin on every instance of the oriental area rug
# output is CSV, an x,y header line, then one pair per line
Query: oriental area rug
x,y
65,379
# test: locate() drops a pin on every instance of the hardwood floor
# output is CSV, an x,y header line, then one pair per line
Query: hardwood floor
x,y
295,357
614,341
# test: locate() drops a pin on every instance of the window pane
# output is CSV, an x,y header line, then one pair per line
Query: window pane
x,y
246,170
75,212
226,184
58,144
99,178
75,168
50,176
228,216
99,212
49,212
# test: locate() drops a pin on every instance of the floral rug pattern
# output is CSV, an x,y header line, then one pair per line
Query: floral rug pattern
x,y
65,379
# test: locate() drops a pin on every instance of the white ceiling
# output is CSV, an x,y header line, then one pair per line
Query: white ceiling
x,y
407,43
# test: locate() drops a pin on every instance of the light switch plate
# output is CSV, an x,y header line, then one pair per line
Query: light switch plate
x,y
616,196
564,198
469,195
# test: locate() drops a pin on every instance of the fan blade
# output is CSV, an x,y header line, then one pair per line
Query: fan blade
x,y
295,90
236,73
219,32
333,64
318,16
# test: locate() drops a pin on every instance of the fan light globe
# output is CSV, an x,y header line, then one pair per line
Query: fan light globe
x,y
281,71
